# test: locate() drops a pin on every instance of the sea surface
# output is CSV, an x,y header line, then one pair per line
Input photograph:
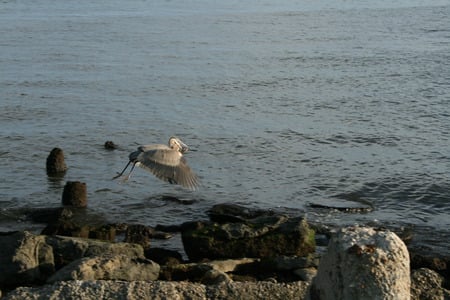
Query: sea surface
x,y
286,105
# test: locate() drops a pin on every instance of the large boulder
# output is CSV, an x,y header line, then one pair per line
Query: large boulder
x,y
107,267
264,236
362,263
24,259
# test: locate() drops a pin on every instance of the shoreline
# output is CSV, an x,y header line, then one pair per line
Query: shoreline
x,y
175,272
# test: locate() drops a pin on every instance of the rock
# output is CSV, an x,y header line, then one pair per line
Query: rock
x,y
74,229
24,259
139,234
50,215
109,145
231,265
306,274
181,272
362,263
105,233
108,267
75,194
94,290
229,212
288,263
215,277
163,256
203,272
264,236
68,249
427,284
67,228
426,258
56,165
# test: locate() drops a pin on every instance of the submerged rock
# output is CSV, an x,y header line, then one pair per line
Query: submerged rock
x,y
109,145
264,236
362,263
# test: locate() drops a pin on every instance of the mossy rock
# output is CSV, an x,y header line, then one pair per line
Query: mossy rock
x,y
259,237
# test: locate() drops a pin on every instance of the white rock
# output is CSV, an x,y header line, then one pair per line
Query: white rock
x,y
362,263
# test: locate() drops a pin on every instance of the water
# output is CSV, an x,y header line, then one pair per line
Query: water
x,y
283,104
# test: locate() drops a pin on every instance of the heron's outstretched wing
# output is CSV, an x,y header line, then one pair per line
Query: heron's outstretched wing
x,y
168,165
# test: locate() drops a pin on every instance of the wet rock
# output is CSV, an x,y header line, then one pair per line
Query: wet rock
x,y
109,145
427,284
264,236
430,260
105,233
67,228
94,290
75,194
50,215
75,229
229,212
163,256
139,234
343,206
168,228
287,263
56,165
24,259
108,267
362,263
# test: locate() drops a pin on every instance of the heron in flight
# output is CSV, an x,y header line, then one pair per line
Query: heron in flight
x,y
165,162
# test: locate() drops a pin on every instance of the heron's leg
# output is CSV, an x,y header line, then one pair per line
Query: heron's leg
x,y
129,174
121,173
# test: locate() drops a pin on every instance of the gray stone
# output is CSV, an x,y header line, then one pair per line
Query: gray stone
x,y
24,259
117,267
362,263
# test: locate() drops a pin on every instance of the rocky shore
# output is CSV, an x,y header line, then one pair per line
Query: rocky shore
x,y
237,254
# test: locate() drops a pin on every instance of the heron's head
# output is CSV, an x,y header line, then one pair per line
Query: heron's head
x,y
176,144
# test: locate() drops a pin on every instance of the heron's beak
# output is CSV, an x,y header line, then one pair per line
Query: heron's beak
x,y
184,147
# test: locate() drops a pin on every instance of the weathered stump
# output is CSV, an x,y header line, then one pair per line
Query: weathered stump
x,y
56,165
75,194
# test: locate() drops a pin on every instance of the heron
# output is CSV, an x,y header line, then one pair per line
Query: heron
x,y
165,162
